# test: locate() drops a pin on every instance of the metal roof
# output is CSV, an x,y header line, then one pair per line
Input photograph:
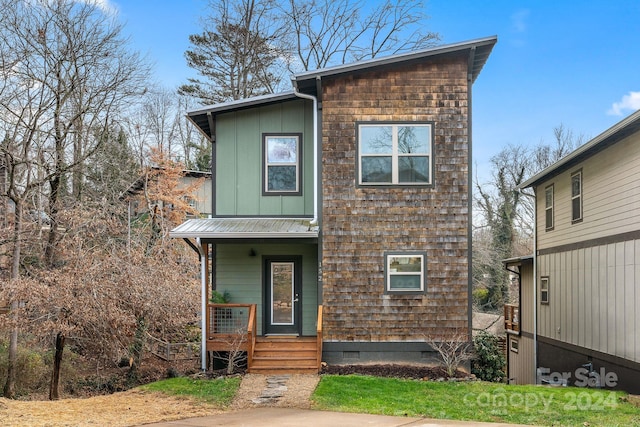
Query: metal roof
x,y
615,133
202,117
478,51
246,228
517,259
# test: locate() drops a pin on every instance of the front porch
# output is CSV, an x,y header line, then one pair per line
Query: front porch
x,y
512,318
233,327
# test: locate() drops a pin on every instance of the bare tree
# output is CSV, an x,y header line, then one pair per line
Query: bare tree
x,y
196,150
159,115
453,351
103,298
235,356
236,53
331,32
66,73
166,199
247,46
509,213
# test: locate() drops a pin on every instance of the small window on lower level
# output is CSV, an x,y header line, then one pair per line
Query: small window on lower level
x,y
544,290
405,272
513,344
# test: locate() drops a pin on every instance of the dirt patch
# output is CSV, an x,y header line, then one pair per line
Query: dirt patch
x,y
129,408
297,395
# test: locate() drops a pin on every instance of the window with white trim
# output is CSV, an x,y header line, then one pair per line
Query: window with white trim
x,y
281,164
514,344
544,290
405,272
576,196
395,154
548,208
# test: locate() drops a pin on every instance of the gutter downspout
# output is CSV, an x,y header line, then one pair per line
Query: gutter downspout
x,y
203,298
535,286
314,221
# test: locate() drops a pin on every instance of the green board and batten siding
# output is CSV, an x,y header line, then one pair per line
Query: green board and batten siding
x,y
241,275
239,159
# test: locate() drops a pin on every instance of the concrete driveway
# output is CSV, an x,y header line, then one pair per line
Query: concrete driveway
x,y
291,417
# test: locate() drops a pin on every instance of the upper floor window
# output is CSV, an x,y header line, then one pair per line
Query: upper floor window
x,y
548,208
576,196
395,154
281,163
405,272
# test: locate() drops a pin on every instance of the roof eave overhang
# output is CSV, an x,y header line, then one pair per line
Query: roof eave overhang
x,y
614,134
480,48
204,117
307,82
243,236
517,260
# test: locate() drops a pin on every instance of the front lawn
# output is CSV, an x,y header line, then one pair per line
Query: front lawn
x,y
475,401
217,391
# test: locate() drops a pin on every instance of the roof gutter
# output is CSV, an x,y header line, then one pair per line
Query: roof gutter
x,y
314,221
243,235
609,134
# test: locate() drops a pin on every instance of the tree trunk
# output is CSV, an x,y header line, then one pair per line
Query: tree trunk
x,y
10,385
9,390
156,230
78,154
57,363
52,240
137,349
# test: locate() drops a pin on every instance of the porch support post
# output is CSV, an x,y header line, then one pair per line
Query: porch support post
x,y
202,248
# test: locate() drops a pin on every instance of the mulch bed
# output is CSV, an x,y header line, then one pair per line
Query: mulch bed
x,y
432,373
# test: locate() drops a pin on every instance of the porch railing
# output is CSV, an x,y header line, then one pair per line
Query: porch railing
x,y
512,318
319,339
252,329
231,327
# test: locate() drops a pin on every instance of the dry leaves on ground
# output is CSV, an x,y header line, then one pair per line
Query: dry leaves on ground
x,y
130,408
136,407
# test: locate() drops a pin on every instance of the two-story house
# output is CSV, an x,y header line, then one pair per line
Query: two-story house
x,y
580,293
341,213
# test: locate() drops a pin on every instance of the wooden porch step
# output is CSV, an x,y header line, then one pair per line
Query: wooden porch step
x,y
283,371
284,355
305,362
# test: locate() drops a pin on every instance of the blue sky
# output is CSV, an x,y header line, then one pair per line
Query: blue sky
x,y
556,62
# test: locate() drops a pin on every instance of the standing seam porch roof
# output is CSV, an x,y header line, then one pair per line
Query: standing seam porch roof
x,y
246,228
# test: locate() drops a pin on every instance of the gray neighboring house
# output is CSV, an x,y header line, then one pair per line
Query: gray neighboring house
x,y
580,292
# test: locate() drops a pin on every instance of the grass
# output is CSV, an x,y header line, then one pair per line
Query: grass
x,y
476,401
218,392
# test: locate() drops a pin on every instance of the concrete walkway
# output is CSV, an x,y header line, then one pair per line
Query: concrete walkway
x,y
291,417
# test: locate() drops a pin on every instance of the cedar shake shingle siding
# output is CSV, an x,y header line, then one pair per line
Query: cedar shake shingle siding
x,y
360,223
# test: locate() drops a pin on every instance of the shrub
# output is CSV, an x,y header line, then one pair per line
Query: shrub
x,y
489,363
32,373
219,297
480,297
